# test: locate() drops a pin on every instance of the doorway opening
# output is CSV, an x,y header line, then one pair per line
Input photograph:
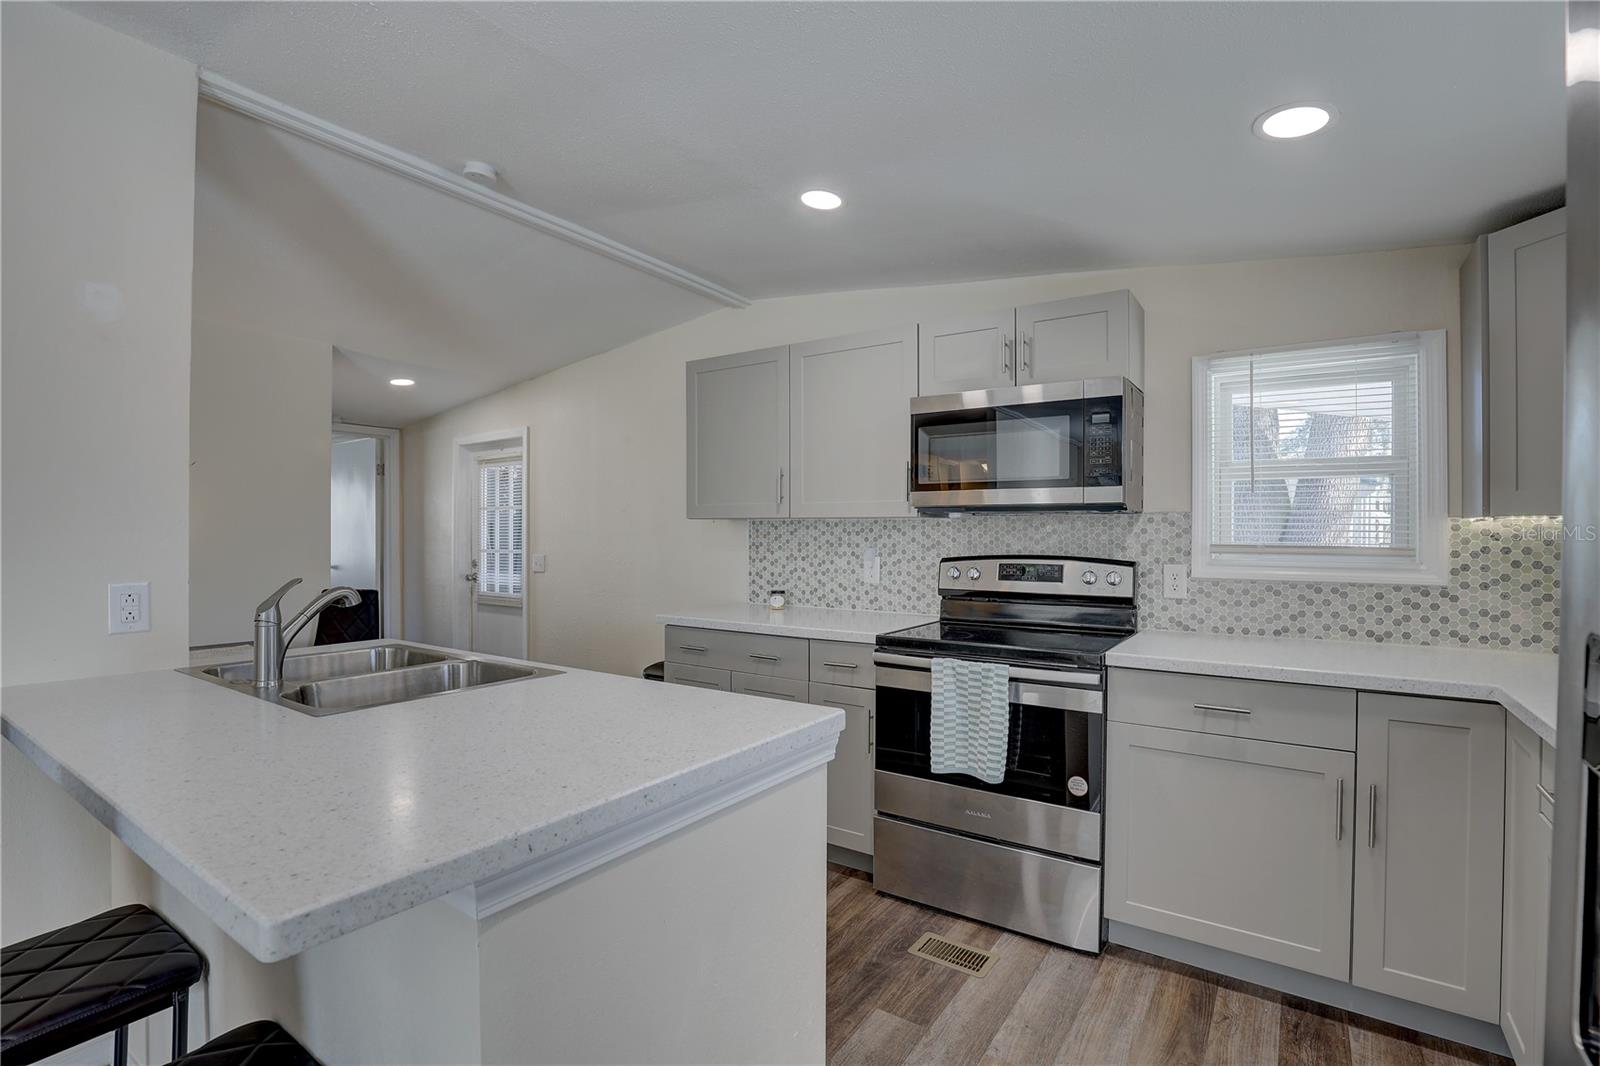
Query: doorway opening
x,y
364,517
491,535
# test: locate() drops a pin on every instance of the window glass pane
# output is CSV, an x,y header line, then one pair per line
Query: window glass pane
x,y
500,522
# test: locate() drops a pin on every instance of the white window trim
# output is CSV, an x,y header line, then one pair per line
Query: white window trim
x,y
1429,566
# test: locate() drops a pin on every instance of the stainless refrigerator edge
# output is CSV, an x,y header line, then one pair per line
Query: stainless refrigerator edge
x,y
1572,1011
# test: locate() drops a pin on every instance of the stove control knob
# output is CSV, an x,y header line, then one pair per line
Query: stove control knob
x,y
1113,578
974,574
954,573
1089,577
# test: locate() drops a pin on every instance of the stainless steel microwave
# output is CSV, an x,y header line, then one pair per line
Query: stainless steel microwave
x,y
1069,444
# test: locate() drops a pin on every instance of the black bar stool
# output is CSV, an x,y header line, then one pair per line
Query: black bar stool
x,y
256,1043
96,976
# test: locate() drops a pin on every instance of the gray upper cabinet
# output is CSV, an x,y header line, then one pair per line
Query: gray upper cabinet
x,y
969,352
1430,793
849,423
1100,336
1513,330
738,435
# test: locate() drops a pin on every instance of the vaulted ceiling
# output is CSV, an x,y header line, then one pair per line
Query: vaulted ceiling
x,y
967,139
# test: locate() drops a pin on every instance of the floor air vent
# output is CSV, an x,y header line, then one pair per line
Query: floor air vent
x,y
956,956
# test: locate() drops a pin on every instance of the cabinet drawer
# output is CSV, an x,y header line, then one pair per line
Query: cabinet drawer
x,y
1254,710
750,653
680,674
778,688
834,662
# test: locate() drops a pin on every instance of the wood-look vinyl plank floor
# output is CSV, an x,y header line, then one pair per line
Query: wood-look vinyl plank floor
x,y
1041,1004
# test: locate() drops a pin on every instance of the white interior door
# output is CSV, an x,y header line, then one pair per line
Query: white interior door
x,y
355,541
495,579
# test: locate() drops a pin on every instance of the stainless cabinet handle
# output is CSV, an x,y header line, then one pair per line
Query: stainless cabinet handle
x,y
766,658
702,684
1372,816
1027,356
872,729
1548,796
780,486
1005,356
1338,810
768,692
841,666
1219,707
691,647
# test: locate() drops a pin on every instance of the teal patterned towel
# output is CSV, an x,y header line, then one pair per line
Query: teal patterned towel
x,y
971,718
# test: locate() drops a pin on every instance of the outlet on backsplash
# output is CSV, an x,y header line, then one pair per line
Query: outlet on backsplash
x,y
871,568
1175,581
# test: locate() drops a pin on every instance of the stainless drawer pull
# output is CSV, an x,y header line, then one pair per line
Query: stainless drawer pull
x,y
1221,708
702,684
692,647
769,692
766,658
1338,810
841,666
1545,794
1372,816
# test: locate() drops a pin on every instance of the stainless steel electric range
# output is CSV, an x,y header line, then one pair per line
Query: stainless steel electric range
x,y
1024,853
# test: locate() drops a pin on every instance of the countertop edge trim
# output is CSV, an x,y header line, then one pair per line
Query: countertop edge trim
x,y
512,887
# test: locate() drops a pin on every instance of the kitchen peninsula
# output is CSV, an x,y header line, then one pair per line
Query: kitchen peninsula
x,y
506,873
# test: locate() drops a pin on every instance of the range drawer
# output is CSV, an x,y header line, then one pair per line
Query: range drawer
x,y
834,662
1041,895
777,688
750,653
699,676
1254,710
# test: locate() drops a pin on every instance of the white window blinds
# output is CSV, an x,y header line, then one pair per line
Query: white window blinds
x,y
500,527
1315,450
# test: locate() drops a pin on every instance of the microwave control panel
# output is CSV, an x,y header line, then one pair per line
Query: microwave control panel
x,y
1102,441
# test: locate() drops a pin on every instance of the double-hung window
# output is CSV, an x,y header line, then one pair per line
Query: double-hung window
x,y
500,523
1323,462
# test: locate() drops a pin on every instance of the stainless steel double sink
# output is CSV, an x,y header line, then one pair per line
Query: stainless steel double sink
x,y
330,682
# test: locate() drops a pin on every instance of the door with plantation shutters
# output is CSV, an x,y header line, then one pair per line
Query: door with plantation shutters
x,y
496,574
1322,461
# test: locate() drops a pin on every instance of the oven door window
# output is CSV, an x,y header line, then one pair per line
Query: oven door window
x,y
1036,445
1053,755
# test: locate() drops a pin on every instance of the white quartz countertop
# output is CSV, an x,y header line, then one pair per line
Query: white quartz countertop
x,y
288,830
812,623
1524,682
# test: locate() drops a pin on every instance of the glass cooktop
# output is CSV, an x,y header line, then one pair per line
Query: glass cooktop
x,y
1016,644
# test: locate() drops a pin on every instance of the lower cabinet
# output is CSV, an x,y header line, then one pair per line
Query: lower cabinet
x,y
1529,829
1245,845
1430,793
850,804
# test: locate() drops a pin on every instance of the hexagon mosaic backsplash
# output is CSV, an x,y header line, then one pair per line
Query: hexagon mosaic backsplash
x,y
1504,589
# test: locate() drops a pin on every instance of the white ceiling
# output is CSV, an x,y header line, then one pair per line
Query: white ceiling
x,y
968,139
399,280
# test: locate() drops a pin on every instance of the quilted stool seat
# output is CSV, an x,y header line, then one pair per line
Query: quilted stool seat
x,y
257,1043
84,980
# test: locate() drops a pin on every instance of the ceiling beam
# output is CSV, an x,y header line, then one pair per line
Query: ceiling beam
x,y
274,113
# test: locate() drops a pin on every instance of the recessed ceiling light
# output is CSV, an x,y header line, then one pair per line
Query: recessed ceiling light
x,y
1293,120
821,199
404,383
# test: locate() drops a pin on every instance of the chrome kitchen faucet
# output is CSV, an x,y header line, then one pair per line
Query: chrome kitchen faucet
x,y
273,634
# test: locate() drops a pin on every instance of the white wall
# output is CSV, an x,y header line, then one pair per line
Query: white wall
x,y
98,215
606,478
260,432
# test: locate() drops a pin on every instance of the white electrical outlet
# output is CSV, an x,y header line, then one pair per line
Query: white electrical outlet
x,y
128,607
537,563
871,566
1175,581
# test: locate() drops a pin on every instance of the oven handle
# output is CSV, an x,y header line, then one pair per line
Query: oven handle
x,y
1025,693
1089,678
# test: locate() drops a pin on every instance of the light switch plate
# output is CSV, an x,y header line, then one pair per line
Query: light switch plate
x,y
537,563
1175,581
128,607
871,566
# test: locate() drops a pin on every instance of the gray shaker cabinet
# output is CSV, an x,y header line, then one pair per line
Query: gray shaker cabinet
x,y
1523,944
1099,336
1430,794
738,435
